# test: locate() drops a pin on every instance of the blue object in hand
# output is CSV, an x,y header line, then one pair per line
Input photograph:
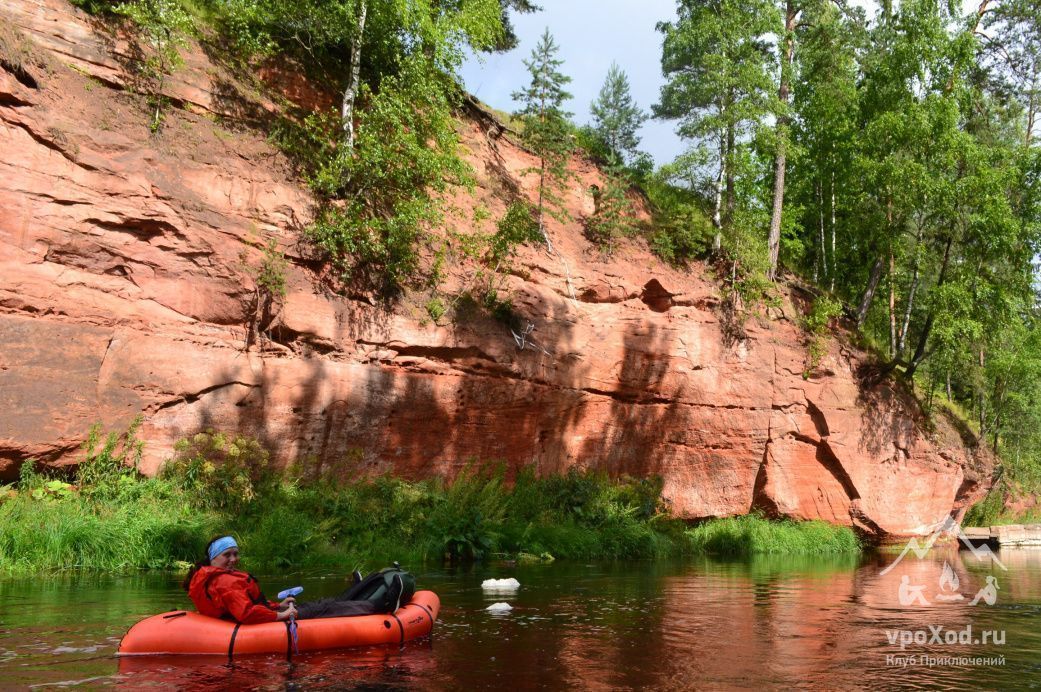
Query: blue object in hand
x,y
295,591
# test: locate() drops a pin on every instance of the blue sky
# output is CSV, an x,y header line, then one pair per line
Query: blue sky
x,y
591,34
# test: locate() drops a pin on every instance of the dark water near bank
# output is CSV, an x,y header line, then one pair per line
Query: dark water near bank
x,y
765,623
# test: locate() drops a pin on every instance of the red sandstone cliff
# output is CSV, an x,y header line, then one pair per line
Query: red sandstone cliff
x,y
123,291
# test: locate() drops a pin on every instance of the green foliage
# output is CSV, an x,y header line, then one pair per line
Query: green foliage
x,y
53,489
911,138
405,154
508,40
588,141
818,329
223,483
217,470
613,214
753,534
682,231
987,512
100,7
719,87
320,33
518,226
70,532
270,275
743,266
269,288
466,516
106,470
499,307
165,25
616,119
435,307
547,130
379,192
28,477
496,251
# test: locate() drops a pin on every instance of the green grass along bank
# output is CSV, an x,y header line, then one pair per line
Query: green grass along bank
x,y
108,517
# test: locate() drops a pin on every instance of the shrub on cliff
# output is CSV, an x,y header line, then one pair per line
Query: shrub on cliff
x,y
381,192
381,161
612,217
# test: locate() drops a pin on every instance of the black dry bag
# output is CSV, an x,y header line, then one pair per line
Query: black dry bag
x,y
388,589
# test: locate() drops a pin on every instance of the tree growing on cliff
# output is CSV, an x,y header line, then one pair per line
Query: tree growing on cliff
x,y
547,130
612,214
716,63
616,118
825,106
164,24
379,163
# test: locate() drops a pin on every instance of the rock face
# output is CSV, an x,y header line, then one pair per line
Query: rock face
x,y
125,290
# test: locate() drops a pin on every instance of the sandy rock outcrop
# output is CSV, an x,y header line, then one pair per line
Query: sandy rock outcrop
x,y
125,290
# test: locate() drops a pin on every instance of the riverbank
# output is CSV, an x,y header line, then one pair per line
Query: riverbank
x,y
109,517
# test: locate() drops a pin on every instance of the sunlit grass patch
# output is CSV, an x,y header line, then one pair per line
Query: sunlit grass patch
x,y
754,534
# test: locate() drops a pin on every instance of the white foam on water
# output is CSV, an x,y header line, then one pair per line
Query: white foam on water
x,y
499,608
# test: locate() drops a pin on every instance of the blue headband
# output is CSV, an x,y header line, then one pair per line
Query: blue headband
x,y
220,545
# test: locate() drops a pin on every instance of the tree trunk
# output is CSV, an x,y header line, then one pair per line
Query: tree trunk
x,y
892,305
919,352
901,341
1031,109
347,107
869,292
834,269
999,400
542,186
994,435
717,211
731,185
822,252
781,160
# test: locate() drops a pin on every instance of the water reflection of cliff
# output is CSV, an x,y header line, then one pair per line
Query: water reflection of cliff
x,y
824,624
773,621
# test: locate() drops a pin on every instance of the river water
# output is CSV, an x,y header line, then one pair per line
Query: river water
x,y
761,623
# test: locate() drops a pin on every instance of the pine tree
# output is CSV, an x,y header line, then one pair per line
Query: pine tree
x,y
547,130
616,119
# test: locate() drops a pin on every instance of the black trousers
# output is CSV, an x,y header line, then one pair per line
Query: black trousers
x,y
333,608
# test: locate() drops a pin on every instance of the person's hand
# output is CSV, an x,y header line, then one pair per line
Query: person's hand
x,y
286,601
289,612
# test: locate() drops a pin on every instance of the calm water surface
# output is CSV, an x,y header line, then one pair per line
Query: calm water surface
x,y
762,623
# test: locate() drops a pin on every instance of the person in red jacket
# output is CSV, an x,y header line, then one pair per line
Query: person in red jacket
x,y
220,590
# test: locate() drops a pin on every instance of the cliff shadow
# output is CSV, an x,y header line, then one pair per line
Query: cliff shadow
x,y
890,417
640,412
414,410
